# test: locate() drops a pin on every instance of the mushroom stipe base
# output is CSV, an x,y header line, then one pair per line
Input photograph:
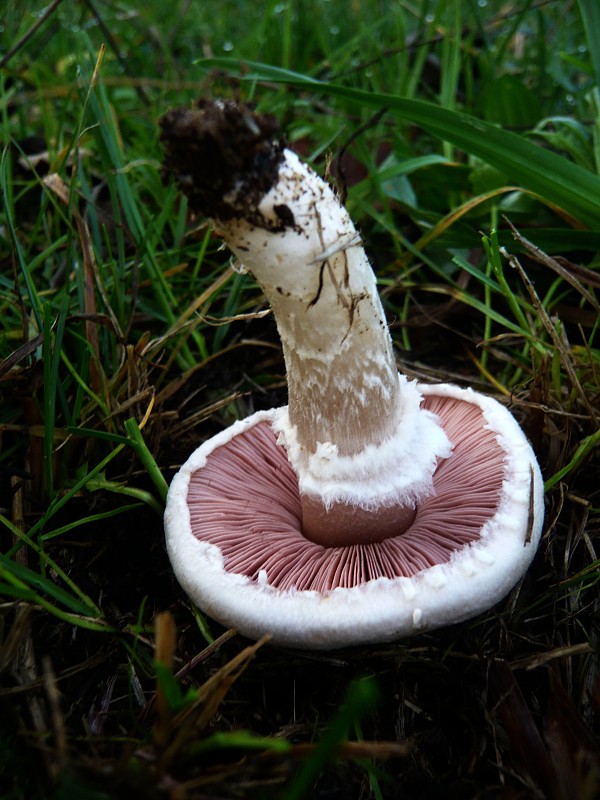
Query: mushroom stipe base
x,y
247,564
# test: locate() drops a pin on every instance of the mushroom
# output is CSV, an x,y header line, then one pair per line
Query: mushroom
x,y
371,506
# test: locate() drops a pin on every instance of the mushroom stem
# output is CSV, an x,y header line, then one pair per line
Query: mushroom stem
x,y
342,379
353,425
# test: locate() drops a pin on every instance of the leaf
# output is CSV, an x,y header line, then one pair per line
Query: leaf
x,y
553,177
362,697
585,447
508,101
171,689
590,16
23,582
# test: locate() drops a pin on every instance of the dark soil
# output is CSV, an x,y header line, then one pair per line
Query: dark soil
x,y
223,155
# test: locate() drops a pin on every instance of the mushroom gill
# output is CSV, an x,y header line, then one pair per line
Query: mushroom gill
x,y
246,501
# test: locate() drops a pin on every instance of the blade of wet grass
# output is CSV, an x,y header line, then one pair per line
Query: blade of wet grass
x,y
548,174
136,440
75,525
132,223
584,449
77,601
361,698
53,332
7,198
590,14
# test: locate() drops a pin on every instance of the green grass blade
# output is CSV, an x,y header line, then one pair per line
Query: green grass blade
x,y
51,353
59,502
49,564
590,16
242,739
23,579
91,433
78,523
136,440
560,181
585,447
362,697
6,194
98,484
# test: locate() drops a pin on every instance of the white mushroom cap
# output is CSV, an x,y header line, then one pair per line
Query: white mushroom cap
x,y
472,578
368,508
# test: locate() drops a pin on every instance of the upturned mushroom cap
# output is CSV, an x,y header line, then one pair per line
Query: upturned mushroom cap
x,y
233,526
368,508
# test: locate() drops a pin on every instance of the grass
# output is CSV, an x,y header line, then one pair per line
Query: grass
x,y
466,136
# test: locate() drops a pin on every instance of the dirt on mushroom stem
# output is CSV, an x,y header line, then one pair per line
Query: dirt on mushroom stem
x,y
224,156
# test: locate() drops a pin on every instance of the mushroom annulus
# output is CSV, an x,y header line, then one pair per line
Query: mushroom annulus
x,y
371,506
